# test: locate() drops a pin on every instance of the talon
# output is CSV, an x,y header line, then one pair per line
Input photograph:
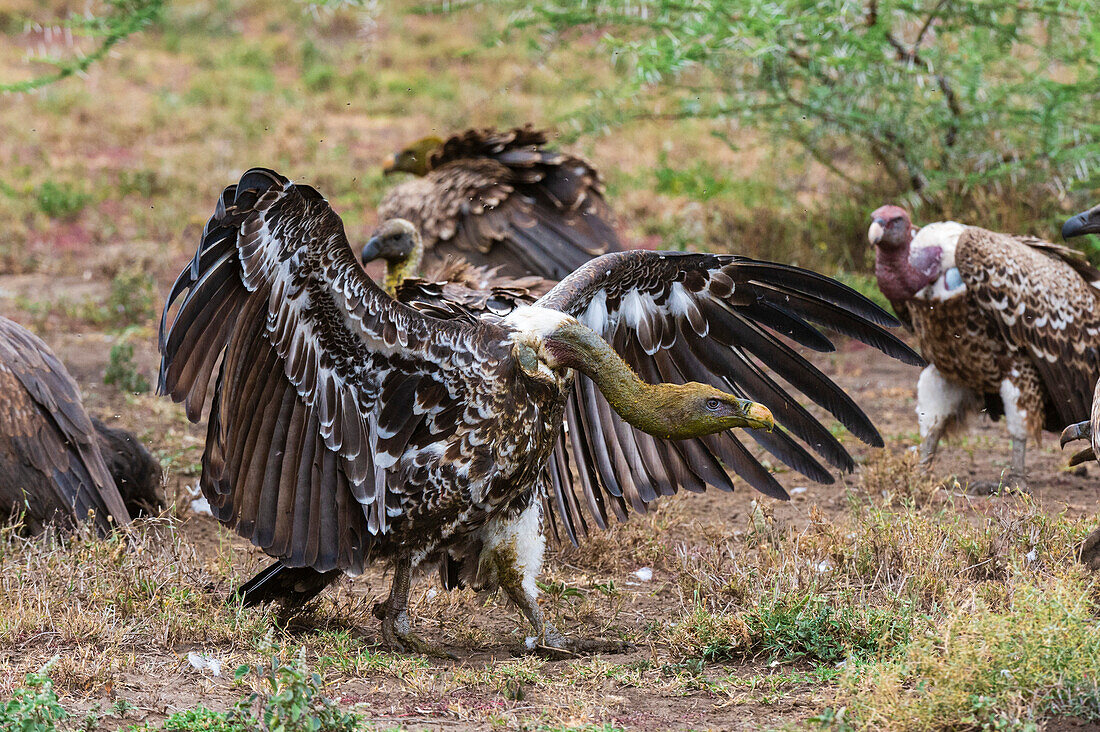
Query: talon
x,y
557,647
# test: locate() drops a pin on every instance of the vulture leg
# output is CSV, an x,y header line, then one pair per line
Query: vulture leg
x,y
1022,395
512,559
397,632
941,406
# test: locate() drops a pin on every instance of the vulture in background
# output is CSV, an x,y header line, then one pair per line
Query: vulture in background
x,y
1087,222
1007,323
500,198
346,427
56,463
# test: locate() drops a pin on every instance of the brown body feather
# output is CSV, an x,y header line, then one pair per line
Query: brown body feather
x,y
52,455
500,198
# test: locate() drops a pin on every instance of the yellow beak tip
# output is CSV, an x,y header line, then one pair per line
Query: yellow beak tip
x,y
762,415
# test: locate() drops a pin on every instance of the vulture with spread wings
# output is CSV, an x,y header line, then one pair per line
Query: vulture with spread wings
x,y
347,427
56,463
502,198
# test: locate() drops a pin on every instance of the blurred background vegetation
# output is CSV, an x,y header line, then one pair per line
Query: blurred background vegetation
x,y
770,129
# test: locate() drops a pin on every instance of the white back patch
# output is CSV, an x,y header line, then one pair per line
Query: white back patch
x,y
942,234
535,323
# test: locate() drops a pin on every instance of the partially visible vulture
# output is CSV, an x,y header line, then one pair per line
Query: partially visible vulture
x,y
346,427
1008,323
56,463
1087,222
501,198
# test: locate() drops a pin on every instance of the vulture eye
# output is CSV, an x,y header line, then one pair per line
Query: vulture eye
x,y
713,404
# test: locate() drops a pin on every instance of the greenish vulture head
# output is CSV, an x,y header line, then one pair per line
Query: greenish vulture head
x,y
415,159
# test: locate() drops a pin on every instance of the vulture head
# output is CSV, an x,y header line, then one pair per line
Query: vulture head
x,y
1086,222
890,229
901,273
415,159
547,344
397,242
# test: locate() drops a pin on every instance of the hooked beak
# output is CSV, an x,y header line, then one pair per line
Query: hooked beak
x,y
1086,222
756,416
370,251
389,165
1079,431
875,233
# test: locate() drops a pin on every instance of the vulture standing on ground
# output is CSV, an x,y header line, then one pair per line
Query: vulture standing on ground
x,y
1087,222
1008,323
502,199
56,463
346,427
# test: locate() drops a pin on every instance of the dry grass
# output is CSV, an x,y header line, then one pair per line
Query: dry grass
x,y
885,615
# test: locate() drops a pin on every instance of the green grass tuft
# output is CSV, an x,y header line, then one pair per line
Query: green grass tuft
x,y
1031,654
60,200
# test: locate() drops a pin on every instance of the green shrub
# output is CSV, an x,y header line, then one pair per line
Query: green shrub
x,y
33,708
60,200
950,104
291,701
121,371
133,297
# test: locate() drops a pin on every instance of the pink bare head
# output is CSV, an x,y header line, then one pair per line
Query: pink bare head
x,y
890,228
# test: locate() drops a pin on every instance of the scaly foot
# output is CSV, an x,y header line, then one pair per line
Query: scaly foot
x,y
397,634
556,647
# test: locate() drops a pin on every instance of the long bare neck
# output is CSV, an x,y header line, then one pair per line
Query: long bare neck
x,y
897,278
652,408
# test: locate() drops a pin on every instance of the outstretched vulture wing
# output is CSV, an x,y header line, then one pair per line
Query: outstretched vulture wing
x,y
501,198
715,319
323,378
53,466
1040,295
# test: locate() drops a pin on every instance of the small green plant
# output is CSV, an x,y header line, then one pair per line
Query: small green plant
x,y
560,591
121,370
199,719
60,200
291,700
33,708
144,183
812,628
202,720
133,297
805,627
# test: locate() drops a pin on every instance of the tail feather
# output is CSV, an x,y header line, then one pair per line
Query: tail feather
x,y
291,586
